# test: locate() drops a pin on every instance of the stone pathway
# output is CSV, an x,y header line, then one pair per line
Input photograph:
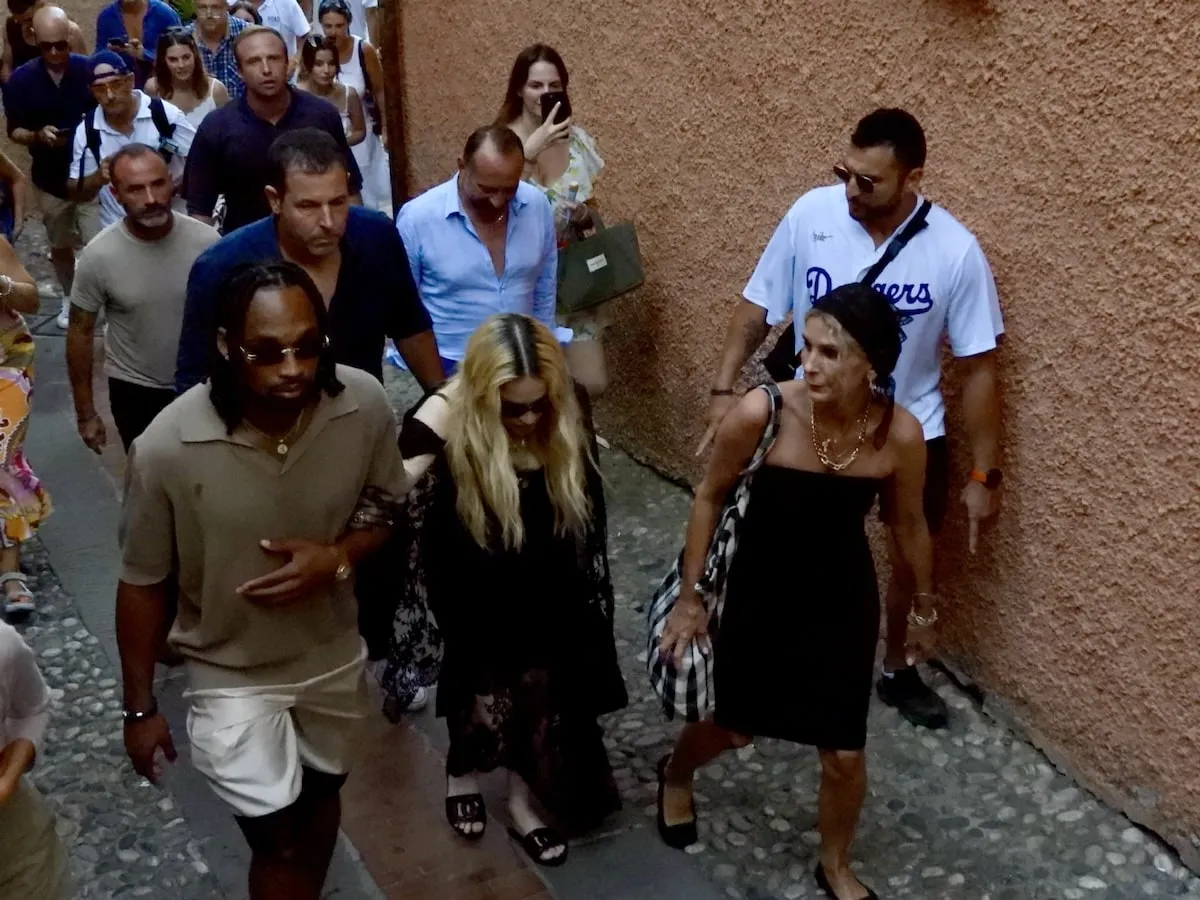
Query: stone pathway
x,y
126,838
971,813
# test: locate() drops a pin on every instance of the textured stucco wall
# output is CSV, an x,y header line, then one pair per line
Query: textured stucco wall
x,y
1064,134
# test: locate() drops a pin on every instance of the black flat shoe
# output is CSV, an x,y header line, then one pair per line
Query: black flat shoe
x,y
538,843
465,810
823,884
682,834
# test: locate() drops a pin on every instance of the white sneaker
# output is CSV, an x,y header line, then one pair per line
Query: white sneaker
x,y
64,315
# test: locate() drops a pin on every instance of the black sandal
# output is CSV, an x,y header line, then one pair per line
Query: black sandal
x,y
823,884
538,843
681,834
465,810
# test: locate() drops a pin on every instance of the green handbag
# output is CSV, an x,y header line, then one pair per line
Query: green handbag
x,y
599,267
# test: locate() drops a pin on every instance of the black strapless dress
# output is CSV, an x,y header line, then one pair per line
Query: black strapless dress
x,y
795,654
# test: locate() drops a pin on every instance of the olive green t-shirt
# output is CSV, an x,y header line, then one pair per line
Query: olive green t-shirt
x,y
198,501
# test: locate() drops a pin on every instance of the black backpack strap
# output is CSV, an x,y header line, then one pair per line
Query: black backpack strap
x,y
915,225
362,65
91,139
158,113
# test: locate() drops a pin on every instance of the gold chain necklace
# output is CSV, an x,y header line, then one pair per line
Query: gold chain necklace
x,y
282,444
821,448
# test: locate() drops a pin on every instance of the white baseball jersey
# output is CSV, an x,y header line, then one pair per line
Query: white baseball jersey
x,y
940,283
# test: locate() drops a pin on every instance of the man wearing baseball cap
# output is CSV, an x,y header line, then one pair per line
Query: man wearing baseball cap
x,y
124,115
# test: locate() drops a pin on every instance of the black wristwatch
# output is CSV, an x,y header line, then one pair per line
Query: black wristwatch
x,y
990,479
133,715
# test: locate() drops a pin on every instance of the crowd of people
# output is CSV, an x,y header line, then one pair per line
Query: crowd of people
x,y
213,192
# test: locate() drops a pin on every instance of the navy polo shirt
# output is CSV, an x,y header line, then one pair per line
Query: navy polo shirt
x,y
375,297
32,101
229,156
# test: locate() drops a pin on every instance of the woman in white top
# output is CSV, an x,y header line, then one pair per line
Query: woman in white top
x,y
562,159
362,70
179,76
319,68
34,861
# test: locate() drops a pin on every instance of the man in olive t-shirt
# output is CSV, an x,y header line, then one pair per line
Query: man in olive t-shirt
x,y
258,492
136,271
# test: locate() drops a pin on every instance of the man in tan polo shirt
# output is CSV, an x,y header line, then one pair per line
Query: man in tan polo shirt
x,y
259,492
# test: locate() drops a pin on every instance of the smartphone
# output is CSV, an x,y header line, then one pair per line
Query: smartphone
x,y
550,99
118,43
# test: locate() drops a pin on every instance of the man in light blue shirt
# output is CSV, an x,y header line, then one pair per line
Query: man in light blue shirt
x,y
482,243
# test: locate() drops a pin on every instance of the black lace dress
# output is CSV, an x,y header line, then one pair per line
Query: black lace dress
x,y
528,658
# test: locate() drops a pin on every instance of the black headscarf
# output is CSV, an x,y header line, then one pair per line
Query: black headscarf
x,y
869,317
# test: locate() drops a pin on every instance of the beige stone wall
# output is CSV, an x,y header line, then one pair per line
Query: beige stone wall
x,y
1064,135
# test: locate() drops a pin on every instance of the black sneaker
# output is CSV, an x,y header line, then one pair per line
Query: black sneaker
x,y
915,700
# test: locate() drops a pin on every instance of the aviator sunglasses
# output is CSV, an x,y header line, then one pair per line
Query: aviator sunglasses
x,y
865,183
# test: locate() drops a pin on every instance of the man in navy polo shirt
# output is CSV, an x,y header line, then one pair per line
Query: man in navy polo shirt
x,y
357,260
229,155
44,100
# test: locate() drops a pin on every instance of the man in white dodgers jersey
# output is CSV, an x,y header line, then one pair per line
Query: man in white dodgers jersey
x,y
941,285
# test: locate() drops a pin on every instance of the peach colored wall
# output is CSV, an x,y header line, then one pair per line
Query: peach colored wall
x,y
1064,134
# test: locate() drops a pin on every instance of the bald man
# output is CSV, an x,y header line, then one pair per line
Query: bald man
x,y
45,99
20,42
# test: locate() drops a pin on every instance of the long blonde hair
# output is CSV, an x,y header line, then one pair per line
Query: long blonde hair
x,y
504,349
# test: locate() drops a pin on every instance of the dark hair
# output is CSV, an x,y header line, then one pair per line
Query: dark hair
x,y
313,45
501,137
341,7
20,7
235,293
510,111
244,6
517,330
250,31
308,150
870,319
179,37
132,150
894,128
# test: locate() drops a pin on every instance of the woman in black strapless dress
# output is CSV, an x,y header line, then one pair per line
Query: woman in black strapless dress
x,y
795,651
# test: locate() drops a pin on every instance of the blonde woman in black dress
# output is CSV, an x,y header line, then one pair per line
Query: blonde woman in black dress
x,y
510,554
794,655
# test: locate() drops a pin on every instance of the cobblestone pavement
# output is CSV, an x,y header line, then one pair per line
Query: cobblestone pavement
x,y
971,813
126,838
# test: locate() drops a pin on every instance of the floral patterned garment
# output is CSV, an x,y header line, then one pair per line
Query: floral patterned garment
x,y
584,166
24,504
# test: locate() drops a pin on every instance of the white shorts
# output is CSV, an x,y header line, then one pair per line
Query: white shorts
x,y
251,743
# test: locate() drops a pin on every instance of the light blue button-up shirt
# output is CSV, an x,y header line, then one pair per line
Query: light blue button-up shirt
x,y
454,271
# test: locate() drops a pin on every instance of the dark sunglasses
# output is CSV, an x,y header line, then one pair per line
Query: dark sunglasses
x,y
273,355
54,46
510,410
865,183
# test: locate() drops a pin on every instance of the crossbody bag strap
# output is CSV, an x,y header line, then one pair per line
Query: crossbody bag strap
x,y
898,243
767,441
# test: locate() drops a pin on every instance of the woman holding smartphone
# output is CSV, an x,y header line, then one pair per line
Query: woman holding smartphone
x,y
561,159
